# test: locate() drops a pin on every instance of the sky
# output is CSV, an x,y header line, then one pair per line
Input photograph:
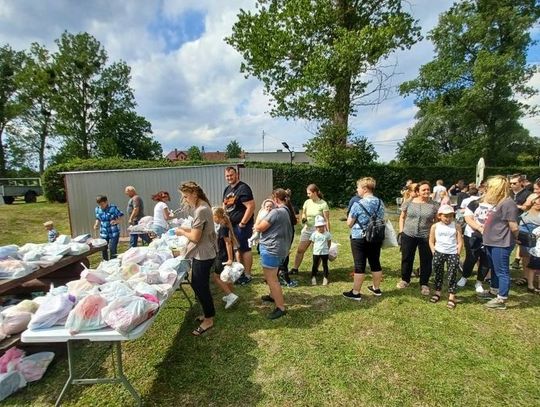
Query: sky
x,y
187,81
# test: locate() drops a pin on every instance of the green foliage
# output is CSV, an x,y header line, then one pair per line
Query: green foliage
x,y
468,95
11,106
326,152
194,154
233,150
320,60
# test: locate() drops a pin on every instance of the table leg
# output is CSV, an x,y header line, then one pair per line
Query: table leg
x,y
185,295
120,373
70,378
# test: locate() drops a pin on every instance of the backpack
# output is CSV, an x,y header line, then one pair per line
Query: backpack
x,y
374,231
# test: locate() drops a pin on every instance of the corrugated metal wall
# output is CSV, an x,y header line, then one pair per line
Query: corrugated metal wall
x,y
83,187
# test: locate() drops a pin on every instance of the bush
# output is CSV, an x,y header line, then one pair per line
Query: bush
x,y
338,184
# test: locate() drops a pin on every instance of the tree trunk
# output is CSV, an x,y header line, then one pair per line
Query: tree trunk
x,y
42,143
2,154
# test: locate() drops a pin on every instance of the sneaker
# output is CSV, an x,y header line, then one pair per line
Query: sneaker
x,y
231,300
402,284
324,281
478,287
313,281
487,295
267,298
277,313
351,296
461,282
243,280
282,282
495,303
376,292
224,298
293,284
425,291
293,271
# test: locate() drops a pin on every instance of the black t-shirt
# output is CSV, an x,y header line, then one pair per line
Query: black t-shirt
x,y
234,198
460,197
520,198
223,232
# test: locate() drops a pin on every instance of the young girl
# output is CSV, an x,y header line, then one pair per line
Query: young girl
x,y
322,239
446,242
266,207
226,241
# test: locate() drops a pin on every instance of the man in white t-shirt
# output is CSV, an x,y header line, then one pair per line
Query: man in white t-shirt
x,y
437,189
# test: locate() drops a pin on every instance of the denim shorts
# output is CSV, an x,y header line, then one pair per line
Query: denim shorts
x,y
242,235
268,260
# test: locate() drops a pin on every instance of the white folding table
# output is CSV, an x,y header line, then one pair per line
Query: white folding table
x,y
105,335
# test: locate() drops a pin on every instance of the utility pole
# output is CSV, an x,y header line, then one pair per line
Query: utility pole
x,y
263,141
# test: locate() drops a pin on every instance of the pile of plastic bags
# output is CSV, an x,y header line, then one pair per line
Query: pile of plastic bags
x,y
16,369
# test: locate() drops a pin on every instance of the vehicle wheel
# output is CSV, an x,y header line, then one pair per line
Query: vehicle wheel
x,y
9,200
30,197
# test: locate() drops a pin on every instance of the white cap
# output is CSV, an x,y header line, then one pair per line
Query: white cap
x,y
445,210
319,221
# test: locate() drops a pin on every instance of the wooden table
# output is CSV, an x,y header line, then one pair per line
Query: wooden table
x,y
67,269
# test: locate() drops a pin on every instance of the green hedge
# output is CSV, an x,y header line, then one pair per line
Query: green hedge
x,y
337,184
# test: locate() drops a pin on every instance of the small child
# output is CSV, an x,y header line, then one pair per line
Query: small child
x,y
322,239
226,242
52,234
446,242
266,207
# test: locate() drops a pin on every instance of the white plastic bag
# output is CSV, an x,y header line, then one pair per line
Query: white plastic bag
x,y
134,255
63,239
14,321
53,311
86,315
126,313
33,367
333,251
115,289
10,382
8,251
15,268
232,273
78,248
98,242
82,238
390,237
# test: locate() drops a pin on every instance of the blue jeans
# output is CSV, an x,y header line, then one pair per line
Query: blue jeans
x,y
499,258
133,237
110,252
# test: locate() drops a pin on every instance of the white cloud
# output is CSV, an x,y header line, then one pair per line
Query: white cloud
x,y
194,94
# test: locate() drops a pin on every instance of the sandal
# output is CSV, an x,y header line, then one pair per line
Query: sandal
x,y
533,290
435,298
200,330
402,284
451,304
521,281
425,290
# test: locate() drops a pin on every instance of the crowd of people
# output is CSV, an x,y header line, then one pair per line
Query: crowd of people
x,y
437,223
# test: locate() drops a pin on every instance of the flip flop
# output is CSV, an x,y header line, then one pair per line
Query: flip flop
x,y
200,330
435,298
521,281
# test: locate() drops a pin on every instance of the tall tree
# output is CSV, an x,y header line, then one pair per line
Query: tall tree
x,y
233,149
194,154
320,60
468,94
11,105
35,127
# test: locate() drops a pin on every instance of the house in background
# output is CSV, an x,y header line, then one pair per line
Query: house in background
x,y
278,156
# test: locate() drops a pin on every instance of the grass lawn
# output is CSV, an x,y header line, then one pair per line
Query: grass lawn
x,y
396,350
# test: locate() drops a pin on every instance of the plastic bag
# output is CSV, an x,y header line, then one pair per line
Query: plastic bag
x,y
82,238
14,321
78,248
232,273
33,255
146,220
53,311
126,313
390,236
11,359
159,256
46,261
333,251
115,289
8,251
134,255
94,276
27,305
80,288
98,242
15,268
63,240
33,367
86,315
141,288
10,383
29,247
56,249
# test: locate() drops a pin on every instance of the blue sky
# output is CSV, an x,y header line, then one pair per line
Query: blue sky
x,y
187,81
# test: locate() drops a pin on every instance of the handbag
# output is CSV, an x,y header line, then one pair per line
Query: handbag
x,y
526,238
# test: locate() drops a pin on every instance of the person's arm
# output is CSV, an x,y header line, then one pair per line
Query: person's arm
x,y
326,215
514,228
329,240
262,226
193,235
229,248
167,214
402,217
469,219
250,210
459,237
432,239
96,224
